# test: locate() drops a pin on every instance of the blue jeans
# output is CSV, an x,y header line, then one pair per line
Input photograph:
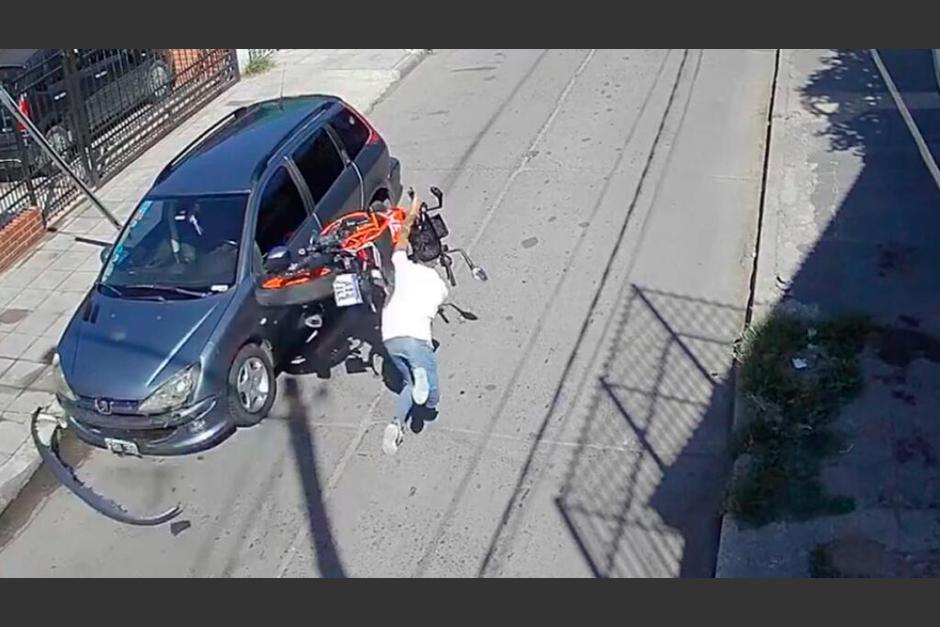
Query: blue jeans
x,y
408,353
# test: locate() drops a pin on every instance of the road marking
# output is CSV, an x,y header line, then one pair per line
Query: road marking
x,y
528,155
925,153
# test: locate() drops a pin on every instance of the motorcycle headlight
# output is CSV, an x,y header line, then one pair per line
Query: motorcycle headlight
x,y
61,385
174,393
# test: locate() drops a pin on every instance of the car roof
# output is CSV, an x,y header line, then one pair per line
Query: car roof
x,y
230,156
16,57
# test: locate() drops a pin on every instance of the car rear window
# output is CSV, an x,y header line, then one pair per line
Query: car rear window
x,y
319,163
352,132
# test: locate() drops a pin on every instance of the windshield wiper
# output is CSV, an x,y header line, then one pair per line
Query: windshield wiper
x,y
167,288
113,289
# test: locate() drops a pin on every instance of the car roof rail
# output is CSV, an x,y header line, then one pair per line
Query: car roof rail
x,y
188,149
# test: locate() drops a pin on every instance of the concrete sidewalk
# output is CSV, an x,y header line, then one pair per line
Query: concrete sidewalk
x,y
39,295
850,224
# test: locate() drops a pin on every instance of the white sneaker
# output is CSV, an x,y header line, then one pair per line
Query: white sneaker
x,y
421,387
392,439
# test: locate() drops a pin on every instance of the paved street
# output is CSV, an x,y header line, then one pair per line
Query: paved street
x,y
612,197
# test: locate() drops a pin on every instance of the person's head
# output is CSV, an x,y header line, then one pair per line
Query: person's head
x,y
432,263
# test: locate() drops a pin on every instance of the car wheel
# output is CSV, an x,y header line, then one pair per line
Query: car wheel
x,y
936,65
159,78
252,385
385,247
58,138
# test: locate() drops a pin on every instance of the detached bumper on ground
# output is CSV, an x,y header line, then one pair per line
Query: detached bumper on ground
x,y
45,429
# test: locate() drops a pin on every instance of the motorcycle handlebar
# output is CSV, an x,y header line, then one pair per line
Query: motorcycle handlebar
x,y
435,191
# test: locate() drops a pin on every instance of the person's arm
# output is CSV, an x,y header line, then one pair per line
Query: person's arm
x,y
410,217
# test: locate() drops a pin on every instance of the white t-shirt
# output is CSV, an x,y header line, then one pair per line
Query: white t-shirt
x,y
418,293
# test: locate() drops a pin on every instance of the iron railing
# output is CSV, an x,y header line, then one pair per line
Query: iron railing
x,y
100,108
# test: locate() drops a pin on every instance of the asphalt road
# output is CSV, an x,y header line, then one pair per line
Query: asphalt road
x,y
612,197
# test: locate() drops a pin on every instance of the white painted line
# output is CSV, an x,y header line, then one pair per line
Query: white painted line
x,y
925,153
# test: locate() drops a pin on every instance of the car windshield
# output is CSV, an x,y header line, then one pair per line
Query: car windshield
x,y
189,244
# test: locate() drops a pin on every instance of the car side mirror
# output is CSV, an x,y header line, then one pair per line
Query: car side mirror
x,y
277,260
103,255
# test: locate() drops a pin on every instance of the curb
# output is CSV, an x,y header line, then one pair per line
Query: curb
x,y
766,295
16,472
402,69
410,62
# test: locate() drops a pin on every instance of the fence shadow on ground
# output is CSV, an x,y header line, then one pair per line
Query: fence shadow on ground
x,y
635,507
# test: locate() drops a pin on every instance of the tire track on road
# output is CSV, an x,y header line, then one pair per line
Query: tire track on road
x,y
444,524
453,175
517,502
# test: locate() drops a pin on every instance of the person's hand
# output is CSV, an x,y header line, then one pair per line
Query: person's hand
x,y
411,214
415,206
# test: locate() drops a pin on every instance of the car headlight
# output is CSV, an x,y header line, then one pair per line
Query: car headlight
x,y
61,385
174,393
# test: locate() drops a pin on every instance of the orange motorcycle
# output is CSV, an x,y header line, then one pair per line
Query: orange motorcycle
x,y
348,263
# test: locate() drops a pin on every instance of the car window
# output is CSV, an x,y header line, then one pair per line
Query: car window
x,y
352,132
280,212
188,242
319,163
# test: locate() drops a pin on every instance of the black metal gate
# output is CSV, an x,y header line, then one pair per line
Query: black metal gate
x,y
100,108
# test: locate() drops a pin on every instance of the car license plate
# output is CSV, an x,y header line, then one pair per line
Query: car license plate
x,y
122,447
346,290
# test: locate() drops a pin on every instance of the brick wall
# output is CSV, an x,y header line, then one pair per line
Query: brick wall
x,y
19,236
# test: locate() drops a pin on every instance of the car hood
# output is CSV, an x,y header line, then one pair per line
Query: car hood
x,y
125,349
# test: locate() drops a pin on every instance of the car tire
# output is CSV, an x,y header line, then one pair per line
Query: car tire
x,y
252,365
936,65
159,77
385,246
58,137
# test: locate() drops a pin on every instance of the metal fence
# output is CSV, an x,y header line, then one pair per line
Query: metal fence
x,y
100,108
259,53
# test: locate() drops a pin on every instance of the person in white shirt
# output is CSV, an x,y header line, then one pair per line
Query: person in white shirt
x,y
406,332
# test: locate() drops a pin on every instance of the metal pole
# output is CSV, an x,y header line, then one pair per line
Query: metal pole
x,y
7,101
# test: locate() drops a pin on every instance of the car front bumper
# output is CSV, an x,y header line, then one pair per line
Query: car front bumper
x,y
191,429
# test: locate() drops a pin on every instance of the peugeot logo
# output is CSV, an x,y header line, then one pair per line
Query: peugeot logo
x,y
103,406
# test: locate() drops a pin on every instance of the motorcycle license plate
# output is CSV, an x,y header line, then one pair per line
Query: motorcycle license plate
x,y
346,291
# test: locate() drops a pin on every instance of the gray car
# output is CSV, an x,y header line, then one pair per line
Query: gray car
x,y
171,350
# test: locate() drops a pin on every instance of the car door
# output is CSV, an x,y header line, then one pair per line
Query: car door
x,y
333,185
282,218
94,76
283,215
130,86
